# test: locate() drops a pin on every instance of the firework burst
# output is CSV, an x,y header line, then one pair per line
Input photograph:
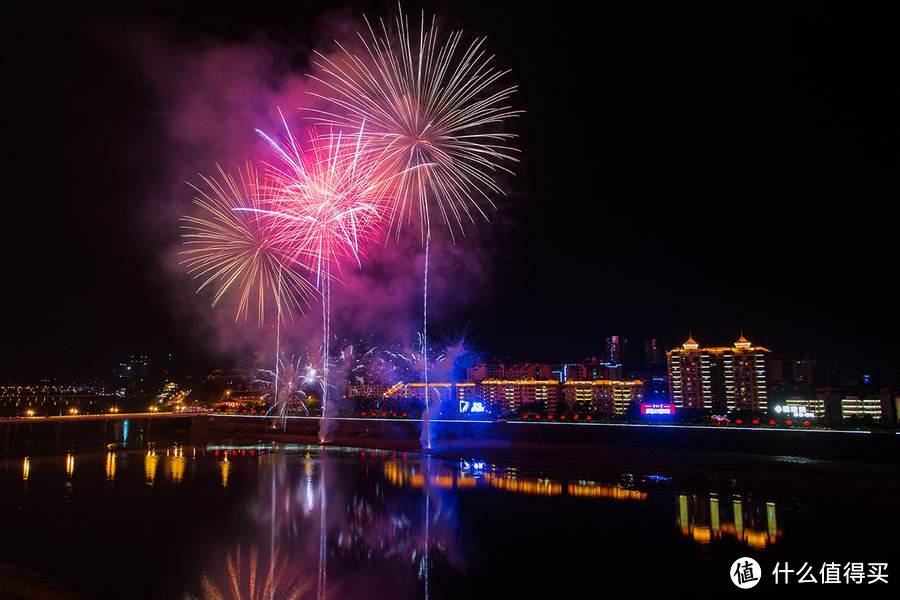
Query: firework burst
x,y
287,385
330,199
228,247
430,109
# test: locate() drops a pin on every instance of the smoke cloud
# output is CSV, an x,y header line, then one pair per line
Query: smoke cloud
x,y
212,95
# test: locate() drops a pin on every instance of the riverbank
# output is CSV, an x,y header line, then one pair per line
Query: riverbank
x,y
583,439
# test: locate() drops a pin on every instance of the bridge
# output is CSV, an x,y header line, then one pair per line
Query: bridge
x,y
117,416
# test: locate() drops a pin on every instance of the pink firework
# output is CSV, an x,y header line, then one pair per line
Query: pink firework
x,y
431,110
329,201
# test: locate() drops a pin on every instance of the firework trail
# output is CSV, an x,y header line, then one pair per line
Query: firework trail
x,y
329,199
288,384
430,110
236,245
229,248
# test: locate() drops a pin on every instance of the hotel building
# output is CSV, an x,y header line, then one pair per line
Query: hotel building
x,y
719,379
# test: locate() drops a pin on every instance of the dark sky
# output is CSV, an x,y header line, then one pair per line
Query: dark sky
x,y
713,167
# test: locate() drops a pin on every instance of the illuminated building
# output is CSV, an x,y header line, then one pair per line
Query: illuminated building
x,y
719,378
798,407
615,349
856,407
451,397
605,396
600,370
415,392
132,375
576,371
684,376
585,371
484,370
366,390
515,395
704,520
525,370
536,371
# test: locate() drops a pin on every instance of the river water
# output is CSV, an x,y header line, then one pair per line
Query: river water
x,y
269,521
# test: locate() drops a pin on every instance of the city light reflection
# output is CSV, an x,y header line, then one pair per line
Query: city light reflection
x,y
110,466
752,523
225,468
151,460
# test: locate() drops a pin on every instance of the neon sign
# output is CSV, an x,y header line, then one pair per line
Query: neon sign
x,y
475,407
657,408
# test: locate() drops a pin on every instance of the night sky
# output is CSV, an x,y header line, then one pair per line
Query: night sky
x,y
703,168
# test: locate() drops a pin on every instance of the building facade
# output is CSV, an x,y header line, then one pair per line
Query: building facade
x,y
509,397
603,396
719,379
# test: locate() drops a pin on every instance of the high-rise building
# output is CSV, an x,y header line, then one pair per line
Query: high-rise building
x,y
615,349
653,354
684,376
719,379
803,371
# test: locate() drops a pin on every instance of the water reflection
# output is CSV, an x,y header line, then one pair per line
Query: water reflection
x,y
225,468
251,575
70,464
151,461
175,463
301,518
705,520
110,466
